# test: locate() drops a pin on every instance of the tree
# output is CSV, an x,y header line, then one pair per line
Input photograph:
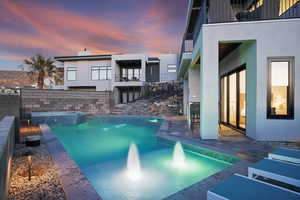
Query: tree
x,y
41,68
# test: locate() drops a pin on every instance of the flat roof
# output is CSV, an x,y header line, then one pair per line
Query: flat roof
x,y
88,57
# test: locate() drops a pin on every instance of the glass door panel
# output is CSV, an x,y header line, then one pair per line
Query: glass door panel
x,y
242,99
232,99
224,99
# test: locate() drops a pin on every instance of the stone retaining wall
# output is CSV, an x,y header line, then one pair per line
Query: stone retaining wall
x,y
36,100
10,106
7,142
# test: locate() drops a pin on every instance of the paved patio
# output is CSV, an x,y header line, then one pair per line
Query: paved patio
x,y
233,143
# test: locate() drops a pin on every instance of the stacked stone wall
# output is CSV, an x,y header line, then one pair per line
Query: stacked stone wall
x,y
35,100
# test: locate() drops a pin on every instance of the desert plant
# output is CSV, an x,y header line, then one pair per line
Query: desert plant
x,y
41,68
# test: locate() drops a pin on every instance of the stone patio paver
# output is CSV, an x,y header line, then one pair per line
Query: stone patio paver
x,y
249,150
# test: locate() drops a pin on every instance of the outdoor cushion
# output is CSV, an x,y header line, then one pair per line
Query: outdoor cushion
x,y
239,187
277,170
288,155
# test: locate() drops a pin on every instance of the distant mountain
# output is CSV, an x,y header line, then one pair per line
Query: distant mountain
x,y
13,79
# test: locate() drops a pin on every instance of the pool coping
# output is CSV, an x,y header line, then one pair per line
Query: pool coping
x,y
199,189
75,184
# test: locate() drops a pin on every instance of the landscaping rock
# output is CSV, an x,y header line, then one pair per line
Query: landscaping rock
x,y
44,184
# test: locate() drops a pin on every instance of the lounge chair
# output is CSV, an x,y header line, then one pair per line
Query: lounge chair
x,y
276,170
239,187
288,155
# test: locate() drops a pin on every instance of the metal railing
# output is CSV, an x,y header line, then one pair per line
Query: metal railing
x,y
127,78
186,47
220,11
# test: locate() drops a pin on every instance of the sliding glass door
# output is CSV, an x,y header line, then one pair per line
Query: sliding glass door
x,y
242,99
233,98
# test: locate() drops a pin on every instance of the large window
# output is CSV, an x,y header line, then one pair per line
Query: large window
x,y
280,88
171,68
130,74
71,73
285,5
101,73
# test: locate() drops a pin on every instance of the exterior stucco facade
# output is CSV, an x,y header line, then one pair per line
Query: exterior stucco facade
x,y
246,40
83,74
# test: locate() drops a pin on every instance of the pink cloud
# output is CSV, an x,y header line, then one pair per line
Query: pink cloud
x,y
62,32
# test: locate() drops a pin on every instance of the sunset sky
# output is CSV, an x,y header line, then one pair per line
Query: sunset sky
x,y
63,27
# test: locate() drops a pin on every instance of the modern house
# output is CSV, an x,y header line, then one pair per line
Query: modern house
x,y
240,59
123,74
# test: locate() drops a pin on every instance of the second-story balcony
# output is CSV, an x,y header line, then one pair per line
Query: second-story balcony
x,y
185,56
128,71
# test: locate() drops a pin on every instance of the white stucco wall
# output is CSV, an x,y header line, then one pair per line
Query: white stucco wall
x,y
194,86
273,38
83,75
165,60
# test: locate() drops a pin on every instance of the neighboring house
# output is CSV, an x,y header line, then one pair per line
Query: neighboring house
x,y
123,74
241,61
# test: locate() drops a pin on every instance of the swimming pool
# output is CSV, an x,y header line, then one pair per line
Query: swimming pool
x,y
100,148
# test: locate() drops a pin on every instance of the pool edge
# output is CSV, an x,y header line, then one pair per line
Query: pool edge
x,y
200,188
75,183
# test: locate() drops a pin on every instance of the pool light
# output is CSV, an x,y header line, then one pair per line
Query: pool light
x,y
178,156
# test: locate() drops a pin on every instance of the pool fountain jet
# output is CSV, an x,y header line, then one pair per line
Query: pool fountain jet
x,y
178,156
133,163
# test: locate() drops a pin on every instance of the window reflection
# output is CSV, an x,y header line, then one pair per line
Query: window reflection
x,y
285,5
242,97
224,99
232,99
279,88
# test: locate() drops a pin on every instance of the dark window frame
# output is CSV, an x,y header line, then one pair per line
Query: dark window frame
x,y
98,69
69,69
291,88
124,73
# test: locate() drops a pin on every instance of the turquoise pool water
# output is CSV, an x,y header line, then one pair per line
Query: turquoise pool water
x,y
100,148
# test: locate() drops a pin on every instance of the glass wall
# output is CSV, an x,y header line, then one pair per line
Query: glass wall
x,y
223,99
232,99
242,98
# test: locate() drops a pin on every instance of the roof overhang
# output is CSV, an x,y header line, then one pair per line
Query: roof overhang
x,y
185,63
77,58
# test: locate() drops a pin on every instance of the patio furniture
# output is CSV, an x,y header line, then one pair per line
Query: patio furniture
x,y
239,187
276,170
287,155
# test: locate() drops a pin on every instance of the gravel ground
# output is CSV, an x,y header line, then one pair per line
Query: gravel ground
x,y
44,184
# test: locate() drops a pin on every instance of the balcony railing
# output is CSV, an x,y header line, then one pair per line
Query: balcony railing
x,y
127,78
220,11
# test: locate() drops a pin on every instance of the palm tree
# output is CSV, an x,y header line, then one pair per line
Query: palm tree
x,y
42,68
